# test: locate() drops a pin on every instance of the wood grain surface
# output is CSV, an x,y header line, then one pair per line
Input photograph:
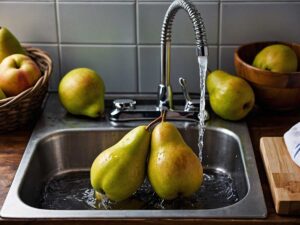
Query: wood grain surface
x,y
12,146
283,175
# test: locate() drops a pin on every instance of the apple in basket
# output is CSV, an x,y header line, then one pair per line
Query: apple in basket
x,y
18,72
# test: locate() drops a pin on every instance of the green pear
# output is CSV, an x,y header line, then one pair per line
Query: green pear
x,y
174,170
81,92
277,58
230,97
120,170
2,95
9,44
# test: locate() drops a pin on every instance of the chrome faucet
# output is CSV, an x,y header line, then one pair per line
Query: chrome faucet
x,y
165,94
127,109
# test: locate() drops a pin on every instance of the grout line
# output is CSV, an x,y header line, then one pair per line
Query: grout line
x,y
137,59
129,45
177,45
220,12
58,39
97,2
260,2
26,2
134,45
92,1
98,45
50,44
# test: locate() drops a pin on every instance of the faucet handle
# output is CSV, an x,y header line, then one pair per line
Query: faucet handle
x,y
190,105
123,104
182,83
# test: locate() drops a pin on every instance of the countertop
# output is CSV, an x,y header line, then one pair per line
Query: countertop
x,y
260,123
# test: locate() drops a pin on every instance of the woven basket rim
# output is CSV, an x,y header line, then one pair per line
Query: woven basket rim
x,y
31,51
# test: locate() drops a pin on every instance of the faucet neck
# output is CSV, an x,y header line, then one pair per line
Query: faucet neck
x,y
195,17
165,95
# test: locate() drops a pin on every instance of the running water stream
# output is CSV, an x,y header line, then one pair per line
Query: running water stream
x,y
202,60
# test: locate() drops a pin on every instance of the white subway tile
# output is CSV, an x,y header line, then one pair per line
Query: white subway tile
x,y
115,64
101,23
227,59
30,21
150,19
257,21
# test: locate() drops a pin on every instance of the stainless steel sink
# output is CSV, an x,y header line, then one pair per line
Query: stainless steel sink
x,y
62,144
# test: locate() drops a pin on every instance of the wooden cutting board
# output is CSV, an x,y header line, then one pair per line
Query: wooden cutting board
x,y
283,175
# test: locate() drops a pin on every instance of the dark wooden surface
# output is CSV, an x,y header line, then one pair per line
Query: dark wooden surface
x,y
261,123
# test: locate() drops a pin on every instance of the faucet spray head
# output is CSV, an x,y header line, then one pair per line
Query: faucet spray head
x,y
165,95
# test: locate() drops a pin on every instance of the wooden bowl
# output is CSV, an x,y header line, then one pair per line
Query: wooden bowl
x,y
280,91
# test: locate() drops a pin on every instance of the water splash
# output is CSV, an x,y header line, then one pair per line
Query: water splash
x,y
202,61
73,191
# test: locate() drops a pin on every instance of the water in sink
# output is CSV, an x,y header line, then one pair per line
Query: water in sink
x,y
73,191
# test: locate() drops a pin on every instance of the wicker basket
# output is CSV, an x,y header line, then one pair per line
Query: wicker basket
x,y
18,110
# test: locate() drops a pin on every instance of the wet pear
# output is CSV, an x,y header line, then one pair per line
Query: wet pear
x,y
174,170
230,97
9,44
81,92
120,170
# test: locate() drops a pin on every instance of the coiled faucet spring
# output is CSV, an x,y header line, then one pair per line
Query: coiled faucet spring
x,y
165,95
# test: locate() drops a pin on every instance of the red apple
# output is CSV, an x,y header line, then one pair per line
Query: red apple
x,y
17,73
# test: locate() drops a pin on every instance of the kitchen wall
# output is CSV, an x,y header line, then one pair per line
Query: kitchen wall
x,y
121,39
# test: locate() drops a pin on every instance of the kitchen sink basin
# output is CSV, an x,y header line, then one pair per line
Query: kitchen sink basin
x,y
52,180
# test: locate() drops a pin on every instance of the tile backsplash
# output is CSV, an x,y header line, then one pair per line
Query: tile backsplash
x,y
121,39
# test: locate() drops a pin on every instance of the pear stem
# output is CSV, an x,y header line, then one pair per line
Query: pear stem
x,y
153,122
163,115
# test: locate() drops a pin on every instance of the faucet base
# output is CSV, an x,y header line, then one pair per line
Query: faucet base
x,y
143,113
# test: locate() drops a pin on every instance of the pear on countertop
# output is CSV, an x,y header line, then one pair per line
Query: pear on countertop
x,y
81,92
230,97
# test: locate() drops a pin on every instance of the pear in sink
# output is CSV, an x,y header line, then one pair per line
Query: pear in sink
x,y
174,170
120,170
